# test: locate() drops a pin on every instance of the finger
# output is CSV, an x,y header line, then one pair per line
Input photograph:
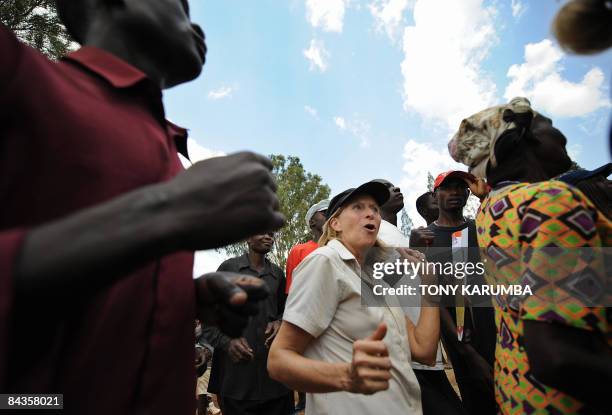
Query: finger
x,y
248,352
255,288
371,347
220,289
277,221
368,373
243,353
259,158
379,333
373,386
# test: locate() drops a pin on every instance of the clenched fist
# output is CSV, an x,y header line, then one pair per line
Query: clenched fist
x,y
222,200
370,369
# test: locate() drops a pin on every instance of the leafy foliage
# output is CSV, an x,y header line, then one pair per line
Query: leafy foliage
x,y
430,182
406,223
37,24
297,191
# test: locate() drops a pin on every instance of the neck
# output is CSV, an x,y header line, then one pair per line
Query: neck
x,y
316,235
450,218
357,253
256,260
108,38
390,217
525,170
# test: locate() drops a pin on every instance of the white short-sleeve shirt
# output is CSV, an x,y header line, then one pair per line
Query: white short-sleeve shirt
x,y
325,301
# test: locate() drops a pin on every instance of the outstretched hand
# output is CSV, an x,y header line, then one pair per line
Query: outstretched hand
x,y
227,300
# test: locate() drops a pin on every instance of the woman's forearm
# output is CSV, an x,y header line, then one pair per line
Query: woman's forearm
x,y
307,375
426,335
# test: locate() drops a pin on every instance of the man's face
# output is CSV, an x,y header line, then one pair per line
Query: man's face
x,y
317,221
452,194
262,244
431,205
551,148
164,32
396,199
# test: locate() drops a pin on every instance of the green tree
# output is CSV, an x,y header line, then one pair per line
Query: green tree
x,y
37,24
430,182
406,223
297,191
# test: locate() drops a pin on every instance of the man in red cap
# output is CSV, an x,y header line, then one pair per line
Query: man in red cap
x,y
468,332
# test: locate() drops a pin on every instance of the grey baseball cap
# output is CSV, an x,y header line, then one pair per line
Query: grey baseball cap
x,y
317,207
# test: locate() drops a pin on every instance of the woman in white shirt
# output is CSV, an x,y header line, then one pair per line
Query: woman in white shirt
x,y
348,357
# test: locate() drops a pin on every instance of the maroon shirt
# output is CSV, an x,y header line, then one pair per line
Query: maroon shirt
x,y
74,134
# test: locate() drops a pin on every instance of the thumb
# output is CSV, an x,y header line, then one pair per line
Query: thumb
x,y
379,333
225,291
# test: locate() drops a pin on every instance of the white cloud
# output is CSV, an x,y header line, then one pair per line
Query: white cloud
x,y
357,127
388,15
198,152
326,14
207,261
317,55
311,111
574,150
518,8
420,158
540,79
444,50
221,93
340,123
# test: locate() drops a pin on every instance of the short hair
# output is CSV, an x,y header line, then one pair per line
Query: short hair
x,y
75,15
421,203
583,26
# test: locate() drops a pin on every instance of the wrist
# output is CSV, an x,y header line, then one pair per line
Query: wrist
x,y
155,208
343,377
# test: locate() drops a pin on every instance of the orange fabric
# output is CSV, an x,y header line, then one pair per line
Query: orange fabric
x,y
296,255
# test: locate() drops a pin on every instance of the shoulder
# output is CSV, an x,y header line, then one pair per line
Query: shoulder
x,y
322,253
554,198
276,269
230,263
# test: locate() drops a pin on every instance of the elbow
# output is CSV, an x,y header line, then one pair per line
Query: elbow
x,y
427,359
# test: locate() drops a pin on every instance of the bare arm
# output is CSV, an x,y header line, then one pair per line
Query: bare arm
x,y
368,372
89,249
287,364
425,336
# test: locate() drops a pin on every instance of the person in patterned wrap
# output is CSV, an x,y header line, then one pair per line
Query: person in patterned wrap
x,y
553,352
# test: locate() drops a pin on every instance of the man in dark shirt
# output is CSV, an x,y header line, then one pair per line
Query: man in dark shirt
x,y
467,324
97,226
239,374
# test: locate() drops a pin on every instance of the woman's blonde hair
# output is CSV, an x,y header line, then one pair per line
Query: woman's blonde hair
x,y
328,232
583,26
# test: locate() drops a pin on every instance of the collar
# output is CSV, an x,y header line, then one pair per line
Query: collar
x,y
116,71
243,262
342,250
179,135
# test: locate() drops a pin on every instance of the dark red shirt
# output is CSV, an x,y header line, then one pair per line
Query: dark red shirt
x,y
74,134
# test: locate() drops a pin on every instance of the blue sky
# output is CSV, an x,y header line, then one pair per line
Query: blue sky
x,y
361,89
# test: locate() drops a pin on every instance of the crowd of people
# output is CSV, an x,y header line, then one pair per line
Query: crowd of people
x,y
99,223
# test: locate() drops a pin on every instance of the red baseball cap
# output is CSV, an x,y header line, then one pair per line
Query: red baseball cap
x,y
465,176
